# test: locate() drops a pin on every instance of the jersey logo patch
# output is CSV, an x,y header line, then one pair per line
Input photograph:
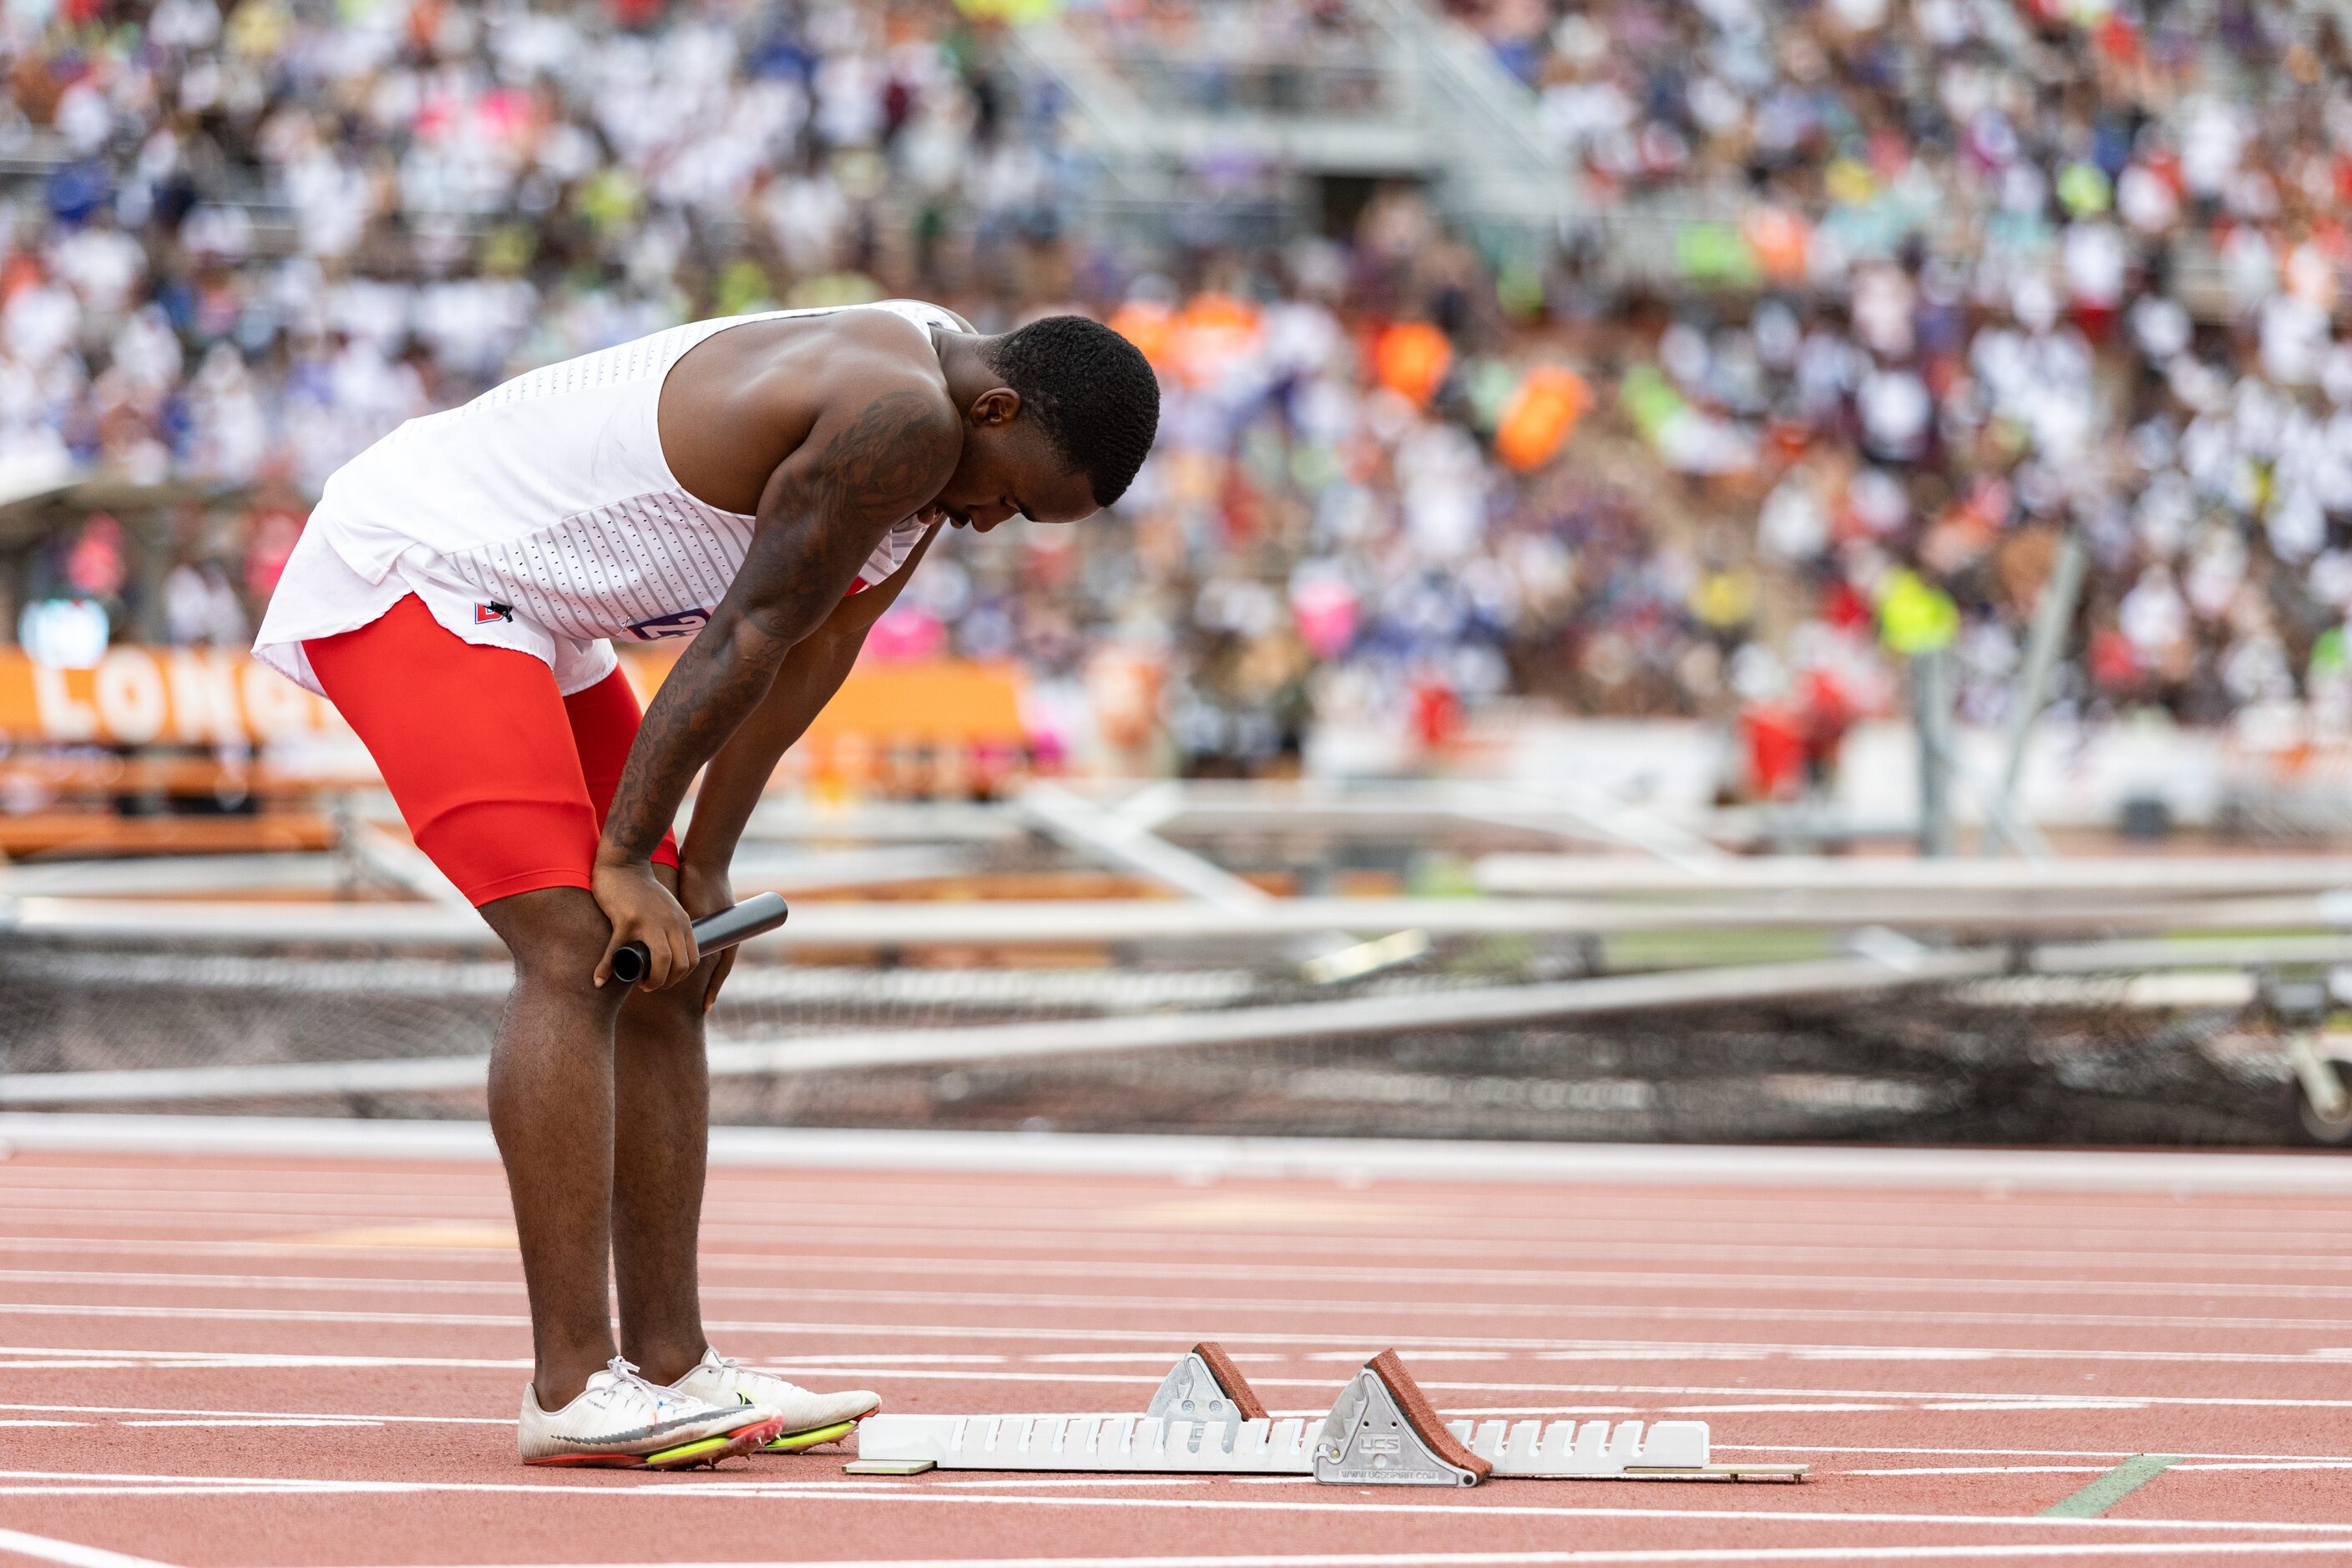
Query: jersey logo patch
x,y
494,611
677,623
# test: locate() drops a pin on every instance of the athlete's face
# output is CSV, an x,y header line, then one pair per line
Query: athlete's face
x,y
1009,469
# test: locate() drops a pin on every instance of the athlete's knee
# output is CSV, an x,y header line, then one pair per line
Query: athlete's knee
x,y
557,936
671,1012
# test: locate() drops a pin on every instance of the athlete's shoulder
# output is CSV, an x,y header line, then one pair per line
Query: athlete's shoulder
x,y
893,329
923,311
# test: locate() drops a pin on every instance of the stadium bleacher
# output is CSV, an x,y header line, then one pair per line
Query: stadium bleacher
x,y
1856,306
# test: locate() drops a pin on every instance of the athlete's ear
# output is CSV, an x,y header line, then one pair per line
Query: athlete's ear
x,y
998,406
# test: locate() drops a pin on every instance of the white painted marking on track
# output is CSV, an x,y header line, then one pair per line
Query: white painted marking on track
x,y
2229,1464
1786,1407
13,1359
1022,1482
1533,1168
847,1490
1077,1357
1585,1280
1513,1230
813,1360
980,1204
1577,1350
2076,1280
1798,1400
70,1554
1271,1255
2060,1401
2108,1454
262,1421
1589,1554
1634,1308
264,1415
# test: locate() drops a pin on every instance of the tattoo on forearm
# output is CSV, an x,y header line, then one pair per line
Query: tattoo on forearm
x,y
820,520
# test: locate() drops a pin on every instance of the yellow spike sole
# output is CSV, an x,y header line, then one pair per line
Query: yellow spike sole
x,y
794,1443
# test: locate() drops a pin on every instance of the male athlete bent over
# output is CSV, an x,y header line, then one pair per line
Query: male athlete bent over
x,y
744,479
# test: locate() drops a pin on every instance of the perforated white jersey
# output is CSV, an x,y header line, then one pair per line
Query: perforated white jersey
x,y
543,516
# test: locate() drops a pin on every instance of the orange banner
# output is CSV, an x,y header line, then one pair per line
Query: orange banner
x,y
143,696
934,702
149,696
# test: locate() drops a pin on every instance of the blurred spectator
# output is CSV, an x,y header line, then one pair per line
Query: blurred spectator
x,y
1951,277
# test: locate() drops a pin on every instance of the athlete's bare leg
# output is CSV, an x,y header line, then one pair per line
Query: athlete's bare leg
x,y
551,1111
661,1082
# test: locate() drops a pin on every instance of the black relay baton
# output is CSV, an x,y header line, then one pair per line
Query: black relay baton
x,y
760,912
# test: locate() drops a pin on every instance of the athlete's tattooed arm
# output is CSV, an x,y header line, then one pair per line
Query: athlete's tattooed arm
x,y
807,680
732,784
824,509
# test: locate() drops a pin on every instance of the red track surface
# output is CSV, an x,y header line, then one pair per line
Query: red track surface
x,y
257,1361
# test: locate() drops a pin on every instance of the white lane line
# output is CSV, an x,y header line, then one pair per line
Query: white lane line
x,y
1747,1399
1094,1483
2108,1454
2190,1461
259,1421
1000,1162
1795,1398
1741,1402
70,1553
983,1204
1692,1242
2095,1470
1264,1209
2046,1551
1577,1350
1180,1208
901,1495
784,1236
1520,1211
259,1415
10,1491
1385,1228
512,1287
1534,1168
504,1262
236,1361
1159,1212
1319,1307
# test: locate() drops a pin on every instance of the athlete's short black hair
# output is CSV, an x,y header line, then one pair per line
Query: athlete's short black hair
x,y
1092,391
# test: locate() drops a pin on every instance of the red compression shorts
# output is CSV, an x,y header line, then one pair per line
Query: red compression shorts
x,y
503,780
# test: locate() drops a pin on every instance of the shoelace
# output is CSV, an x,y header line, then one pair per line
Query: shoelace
x,y
732,1367
626,1380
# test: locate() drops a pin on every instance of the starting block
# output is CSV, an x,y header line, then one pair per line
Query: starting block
x,y
1382,1431
1206,1386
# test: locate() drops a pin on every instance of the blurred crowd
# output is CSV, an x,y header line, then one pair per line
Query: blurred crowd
x,y
1959,276
1951,279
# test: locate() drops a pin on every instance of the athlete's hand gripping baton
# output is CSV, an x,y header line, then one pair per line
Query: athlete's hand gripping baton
x,y
760,912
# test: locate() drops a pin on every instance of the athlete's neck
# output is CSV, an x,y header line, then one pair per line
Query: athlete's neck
x,y
969,374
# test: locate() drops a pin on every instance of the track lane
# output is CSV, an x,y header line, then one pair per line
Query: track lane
x,y
1941,1357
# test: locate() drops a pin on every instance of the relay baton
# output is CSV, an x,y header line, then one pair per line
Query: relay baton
x,y
760,912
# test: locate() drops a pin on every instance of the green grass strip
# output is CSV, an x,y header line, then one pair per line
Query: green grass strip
x,y
2112,1488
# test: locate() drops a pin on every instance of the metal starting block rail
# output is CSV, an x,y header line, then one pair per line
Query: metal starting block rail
x,y
1206,1420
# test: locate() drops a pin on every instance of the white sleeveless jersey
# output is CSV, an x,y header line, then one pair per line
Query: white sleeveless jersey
x,y
543,516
